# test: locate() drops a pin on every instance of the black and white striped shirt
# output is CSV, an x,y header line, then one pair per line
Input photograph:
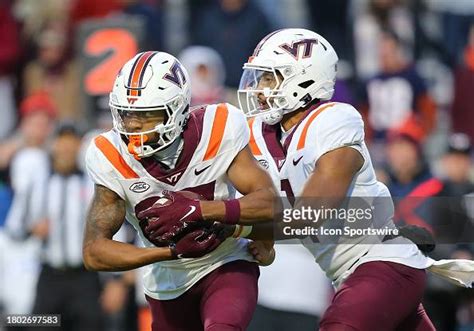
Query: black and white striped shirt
x,y
29,172
41,194
67,202
64,201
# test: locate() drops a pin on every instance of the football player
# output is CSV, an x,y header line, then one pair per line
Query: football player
x,y
198,277
316,150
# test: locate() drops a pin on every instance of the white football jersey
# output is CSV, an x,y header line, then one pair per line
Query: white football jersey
x,y
213,136
292,259
265,149
326,128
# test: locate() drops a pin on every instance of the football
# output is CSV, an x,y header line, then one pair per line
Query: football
x,y
162,202
193,195
157,202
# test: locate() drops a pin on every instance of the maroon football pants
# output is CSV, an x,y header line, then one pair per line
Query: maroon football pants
x,y
223,300
381,296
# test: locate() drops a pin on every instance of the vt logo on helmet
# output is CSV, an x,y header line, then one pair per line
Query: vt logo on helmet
x,y
288,70
149,102
306,44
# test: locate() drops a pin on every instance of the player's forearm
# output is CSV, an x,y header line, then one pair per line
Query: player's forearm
x,y
109,255
255,207
319,199
258,206
327,187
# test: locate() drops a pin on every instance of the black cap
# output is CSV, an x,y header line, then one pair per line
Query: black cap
x,y
459,143
67,128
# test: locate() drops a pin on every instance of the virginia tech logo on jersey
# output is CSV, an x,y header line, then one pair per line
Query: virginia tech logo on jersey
x,y
173,179
305,44
139,187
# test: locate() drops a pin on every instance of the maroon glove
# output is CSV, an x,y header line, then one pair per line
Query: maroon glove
x,y
159,241
195,244
165,223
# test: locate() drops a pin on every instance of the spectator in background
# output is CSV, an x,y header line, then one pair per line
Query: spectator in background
x,y
397,96
462,110
207,73
330,19
63,279
277,13
457,18
21,151
37,116
34,15
456,165
153,19
411,183
407,168
413,188
52,71
24,160
370,19
453,228
454,219
10,52
88,9
232,28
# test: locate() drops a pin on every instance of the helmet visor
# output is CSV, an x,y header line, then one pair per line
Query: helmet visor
x,y
129,121
259,91
143,120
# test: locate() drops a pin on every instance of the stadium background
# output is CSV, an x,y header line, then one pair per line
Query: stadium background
x,y
408,66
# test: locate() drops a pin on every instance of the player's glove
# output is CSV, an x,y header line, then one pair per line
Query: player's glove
x,y
165,223
159,241
421,237
196,244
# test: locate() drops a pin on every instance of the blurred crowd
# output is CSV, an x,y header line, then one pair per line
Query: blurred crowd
x,y
406,65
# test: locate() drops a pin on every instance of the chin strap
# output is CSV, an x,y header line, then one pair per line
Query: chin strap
x,y
134,142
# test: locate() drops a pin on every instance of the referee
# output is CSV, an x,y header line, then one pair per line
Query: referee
x,y
64,286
